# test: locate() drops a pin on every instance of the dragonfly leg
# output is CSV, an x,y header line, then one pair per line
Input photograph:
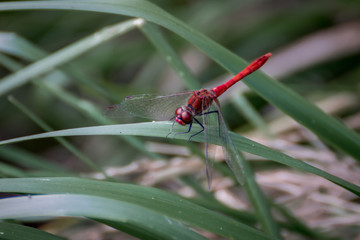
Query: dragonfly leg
x,y
190,125
203,128
171,129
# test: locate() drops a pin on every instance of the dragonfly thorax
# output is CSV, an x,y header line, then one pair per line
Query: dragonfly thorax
x,y
183,116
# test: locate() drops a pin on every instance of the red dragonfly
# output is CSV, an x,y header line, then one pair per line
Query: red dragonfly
x,y
185,108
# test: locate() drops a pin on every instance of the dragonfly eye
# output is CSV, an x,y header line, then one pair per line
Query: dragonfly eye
x,y
186,117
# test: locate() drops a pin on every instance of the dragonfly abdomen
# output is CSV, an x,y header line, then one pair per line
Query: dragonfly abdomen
x,y
255,65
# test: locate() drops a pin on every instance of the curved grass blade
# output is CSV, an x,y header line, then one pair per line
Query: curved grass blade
x,y
160,129
147,222
151,199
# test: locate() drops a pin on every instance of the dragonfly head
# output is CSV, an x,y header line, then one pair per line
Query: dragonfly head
x,y
183,116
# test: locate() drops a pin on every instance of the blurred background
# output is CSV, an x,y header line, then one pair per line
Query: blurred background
x,y
316,51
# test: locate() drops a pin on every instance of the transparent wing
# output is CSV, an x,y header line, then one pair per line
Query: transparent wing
x,y
206,119
211,122
149,106
232,156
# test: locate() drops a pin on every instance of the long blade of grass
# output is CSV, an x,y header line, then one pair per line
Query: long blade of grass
x,y
160,129
135,197
148,223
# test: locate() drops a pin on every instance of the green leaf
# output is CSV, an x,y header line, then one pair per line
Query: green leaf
x,y
160,129
107,201
148,223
